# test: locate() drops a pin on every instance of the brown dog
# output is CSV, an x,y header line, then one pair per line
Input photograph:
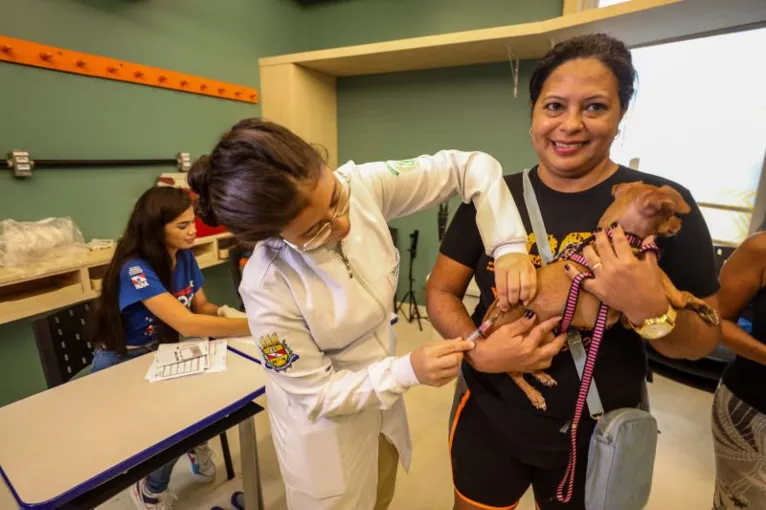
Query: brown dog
x,y
641,209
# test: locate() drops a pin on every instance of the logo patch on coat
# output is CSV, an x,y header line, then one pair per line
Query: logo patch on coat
x,y
277,355
404,165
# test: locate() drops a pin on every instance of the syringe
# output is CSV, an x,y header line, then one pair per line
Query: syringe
x,y
485,326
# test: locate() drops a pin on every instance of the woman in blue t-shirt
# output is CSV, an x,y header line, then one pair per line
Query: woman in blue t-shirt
x,y
152,292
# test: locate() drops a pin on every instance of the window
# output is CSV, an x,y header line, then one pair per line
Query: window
x,y
699,118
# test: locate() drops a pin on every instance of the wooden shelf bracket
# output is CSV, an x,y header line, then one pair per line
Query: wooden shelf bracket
x,y
18,51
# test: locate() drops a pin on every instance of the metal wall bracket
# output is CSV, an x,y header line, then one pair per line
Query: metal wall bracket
x,y
21,164
183,161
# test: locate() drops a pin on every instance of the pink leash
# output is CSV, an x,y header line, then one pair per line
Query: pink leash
x,y
567,483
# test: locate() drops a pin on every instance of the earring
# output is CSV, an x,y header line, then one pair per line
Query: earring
x,y
530,132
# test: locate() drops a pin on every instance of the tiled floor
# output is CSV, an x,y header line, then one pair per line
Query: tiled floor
x,y
683,477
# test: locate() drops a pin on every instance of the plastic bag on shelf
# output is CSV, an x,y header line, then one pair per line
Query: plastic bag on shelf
x,y
23,243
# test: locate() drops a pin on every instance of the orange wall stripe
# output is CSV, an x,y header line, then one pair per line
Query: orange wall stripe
x,y
18,51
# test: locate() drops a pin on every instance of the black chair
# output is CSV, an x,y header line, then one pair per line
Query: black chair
x,y
65,354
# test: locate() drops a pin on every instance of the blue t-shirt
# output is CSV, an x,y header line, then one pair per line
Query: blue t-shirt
x,y
139,282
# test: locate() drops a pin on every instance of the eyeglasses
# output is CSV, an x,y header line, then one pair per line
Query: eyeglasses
x,y
341,208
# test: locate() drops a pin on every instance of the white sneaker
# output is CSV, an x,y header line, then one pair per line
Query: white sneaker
x,y
144,499
202,462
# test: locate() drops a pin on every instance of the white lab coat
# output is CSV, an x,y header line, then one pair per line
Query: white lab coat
x,y
323,318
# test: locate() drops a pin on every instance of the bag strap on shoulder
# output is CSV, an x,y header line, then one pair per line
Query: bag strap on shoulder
x,y
536,219
574,340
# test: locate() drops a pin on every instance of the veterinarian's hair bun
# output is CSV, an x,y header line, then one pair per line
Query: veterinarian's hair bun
x,y
254,181
610,51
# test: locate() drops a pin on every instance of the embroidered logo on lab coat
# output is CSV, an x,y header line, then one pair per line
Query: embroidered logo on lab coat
x,y
277,355
404,165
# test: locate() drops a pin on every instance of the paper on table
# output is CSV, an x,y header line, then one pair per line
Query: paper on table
x,y
218,350
168,354
213,359
161,373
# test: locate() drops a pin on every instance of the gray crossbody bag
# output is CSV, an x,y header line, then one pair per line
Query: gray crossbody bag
x,y
624,442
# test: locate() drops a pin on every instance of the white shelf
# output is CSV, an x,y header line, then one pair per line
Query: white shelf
x,y
637,23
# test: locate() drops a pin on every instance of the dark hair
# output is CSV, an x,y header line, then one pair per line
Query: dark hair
x,y
250,181
144,238
610,51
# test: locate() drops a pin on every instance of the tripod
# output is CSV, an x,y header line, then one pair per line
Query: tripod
x,y
409,297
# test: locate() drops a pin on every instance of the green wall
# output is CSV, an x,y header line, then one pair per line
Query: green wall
x,y
401,115
56,115
333,23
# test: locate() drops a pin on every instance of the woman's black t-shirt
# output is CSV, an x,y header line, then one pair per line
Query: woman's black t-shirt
x,y
687,258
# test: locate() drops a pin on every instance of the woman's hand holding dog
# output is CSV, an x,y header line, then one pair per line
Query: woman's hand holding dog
x,y
514,348
623,281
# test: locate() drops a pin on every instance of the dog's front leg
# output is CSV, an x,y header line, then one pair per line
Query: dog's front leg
x,y
532,394
544,379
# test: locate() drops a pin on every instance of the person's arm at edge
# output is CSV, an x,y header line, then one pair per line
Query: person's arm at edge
x,y
741,279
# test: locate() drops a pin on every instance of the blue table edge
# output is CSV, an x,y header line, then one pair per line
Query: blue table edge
x,y
149,452
136,459
243,354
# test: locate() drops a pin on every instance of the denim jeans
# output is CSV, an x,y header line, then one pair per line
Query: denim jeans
x,y
104,359
158,480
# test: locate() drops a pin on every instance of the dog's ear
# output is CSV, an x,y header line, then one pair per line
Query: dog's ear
x,y
680,205
657,203
663,200
619,189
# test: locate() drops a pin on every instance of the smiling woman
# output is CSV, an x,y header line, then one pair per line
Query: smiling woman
x,y
579,92
579,96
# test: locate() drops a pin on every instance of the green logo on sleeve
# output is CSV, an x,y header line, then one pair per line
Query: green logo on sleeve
x,y
404,165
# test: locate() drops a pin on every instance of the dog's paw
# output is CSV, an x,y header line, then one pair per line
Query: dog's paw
x,y
710,316
544,379
705,312
539,402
